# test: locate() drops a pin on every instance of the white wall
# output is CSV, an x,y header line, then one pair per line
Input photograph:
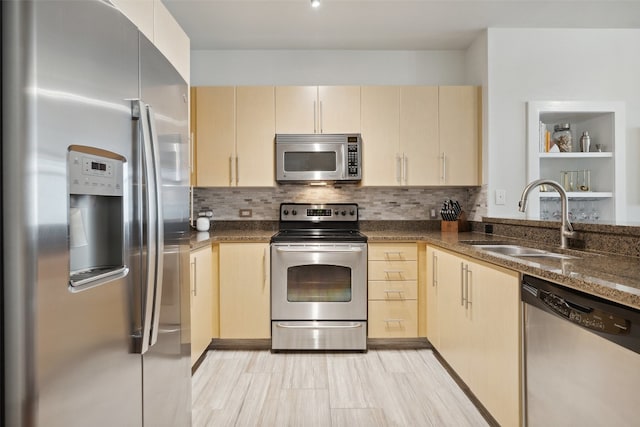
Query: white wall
x,y
556,64
477,73
328,67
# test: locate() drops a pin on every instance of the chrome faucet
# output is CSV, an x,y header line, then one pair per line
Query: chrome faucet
x,y
566,229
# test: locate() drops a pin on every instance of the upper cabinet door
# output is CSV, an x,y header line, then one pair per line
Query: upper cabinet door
x,y
380,147
155,21
296,109
317,109
460,134
215,136
140,12
255,131
171,40
193,124
339,109
419,135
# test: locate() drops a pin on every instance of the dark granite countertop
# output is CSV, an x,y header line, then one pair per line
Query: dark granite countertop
x,y
202,238
235,231
610,276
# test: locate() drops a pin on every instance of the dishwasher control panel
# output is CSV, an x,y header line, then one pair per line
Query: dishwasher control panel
x,y
587,317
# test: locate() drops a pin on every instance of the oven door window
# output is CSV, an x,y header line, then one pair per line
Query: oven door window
x,y
318,283
310,161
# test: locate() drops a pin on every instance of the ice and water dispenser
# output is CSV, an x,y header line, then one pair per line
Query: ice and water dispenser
x,y
96,216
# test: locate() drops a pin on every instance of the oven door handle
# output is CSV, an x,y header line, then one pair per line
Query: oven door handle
x,y
318,249
283,326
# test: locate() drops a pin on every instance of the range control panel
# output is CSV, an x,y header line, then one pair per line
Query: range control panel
x,y
319,212
94,174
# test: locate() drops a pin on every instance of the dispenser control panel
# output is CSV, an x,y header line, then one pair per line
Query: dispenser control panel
x,y
93,174
95,168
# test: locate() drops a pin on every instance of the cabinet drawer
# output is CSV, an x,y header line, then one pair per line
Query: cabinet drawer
x,y
393,251
393,319
393,290
393,270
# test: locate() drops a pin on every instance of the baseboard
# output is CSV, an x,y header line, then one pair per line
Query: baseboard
x,y
472,397
397,343
240,344
372,343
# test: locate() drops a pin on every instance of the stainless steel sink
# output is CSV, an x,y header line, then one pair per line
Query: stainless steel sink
x,y
521,251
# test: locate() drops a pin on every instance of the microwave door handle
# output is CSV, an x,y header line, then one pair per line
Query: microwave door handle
x,y
315,126
159,225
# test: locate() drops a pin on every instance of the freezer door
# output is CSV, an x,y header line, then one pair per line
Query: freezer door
x,y
74,348
166,364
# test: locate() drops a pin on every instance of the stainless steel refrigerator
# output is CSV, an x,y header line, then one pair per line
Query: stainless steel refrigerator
x,y
94,221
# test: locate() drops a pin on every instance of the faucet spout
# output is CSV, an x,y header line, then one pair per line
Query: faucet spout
x,y
566,229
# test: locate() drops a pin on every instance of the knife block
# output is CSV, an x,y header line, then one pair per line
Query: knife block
x,y
455,226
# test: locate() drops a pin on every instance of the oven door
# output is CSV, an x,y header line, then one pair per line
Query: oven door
x,y
311,162
323,281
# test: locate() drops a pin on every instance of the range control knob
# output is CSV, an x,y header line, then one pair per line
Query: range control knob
x,y
352,212
286,212
294,212
337,212
343,213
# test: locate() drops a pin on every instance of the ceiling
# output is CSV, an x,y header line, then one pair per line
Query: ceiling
x,y
382,24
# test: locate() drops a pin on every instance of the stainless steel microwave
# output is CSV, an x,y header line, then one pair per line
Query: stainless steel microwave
x,y
318,157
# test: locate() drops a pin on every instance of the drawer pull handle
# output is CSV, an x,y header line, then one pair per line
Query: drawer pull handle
x,y
393,320
399,297
396,254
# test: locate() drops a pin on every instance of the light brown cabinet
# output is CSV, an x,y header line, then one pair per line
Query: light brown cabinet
x,y
317,109
460,127
215,136
473,321
203,301
255,132
193,124
412,135
234,133
421,135
380,137
244,290
393,290
155,21
418,151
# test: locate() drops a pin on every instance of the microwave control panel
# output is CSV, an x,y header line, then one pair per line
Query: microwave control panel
x,y
353,159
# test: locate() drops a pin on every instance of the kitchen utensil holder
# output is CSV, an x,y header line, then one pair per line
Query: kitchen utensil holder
x,y
455,226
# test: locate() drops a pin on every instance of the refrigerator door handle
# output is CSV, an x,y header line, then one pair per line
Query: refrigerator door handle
x,y
150,219
159,224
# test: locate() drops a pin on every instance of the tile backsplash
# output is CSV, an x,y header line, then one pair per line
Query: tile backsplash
x,y
376,203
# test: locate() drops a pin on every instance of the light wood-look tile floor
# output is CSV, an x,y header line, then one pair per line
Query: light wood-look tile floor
x,y
377,388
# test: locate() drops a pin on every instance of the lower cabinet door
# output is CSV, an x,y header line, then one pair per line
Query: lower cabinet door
x,y
244,291
393,319
201,301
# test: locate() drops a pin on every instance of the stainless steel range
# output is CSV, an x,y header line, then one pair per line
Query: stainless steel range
x,y
319,279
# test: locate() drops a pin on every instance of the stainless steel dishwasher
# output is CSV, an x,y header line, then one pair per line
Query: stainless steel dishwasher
x,y
582,358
